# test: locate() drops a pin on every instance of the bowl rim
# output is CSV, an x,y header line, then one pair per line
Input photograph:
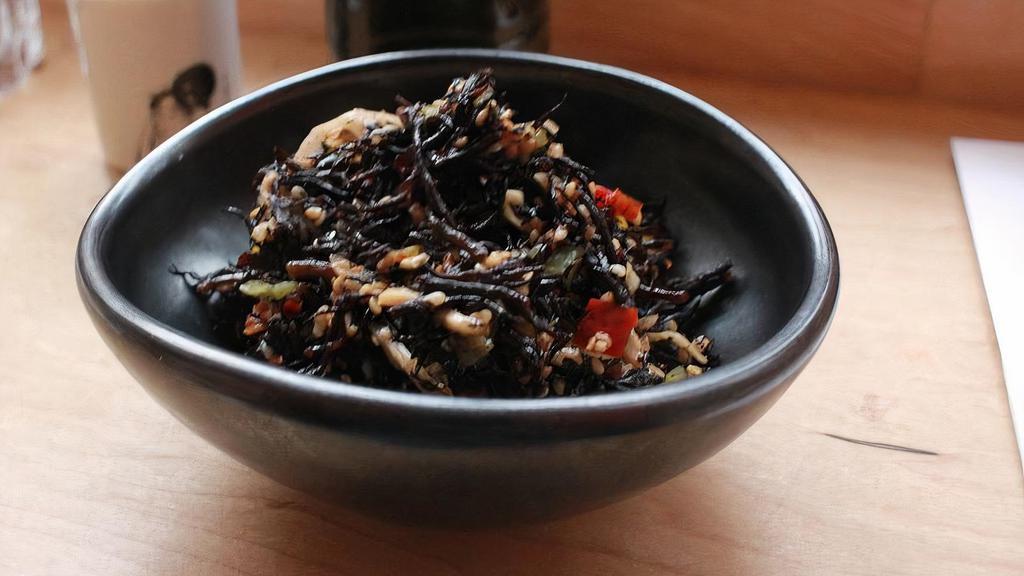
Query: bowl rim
x,y
772,363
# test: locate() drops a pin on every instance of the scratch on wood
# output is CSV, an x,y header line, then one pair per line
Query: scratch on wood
x,y
882,445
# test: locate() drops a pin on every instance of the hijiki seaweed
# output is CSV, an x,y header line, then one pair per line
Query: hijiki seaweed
x,y
448,248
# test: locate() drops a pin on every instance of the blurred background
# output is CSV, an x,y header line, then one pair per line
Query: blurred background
x,y
956,51
963,50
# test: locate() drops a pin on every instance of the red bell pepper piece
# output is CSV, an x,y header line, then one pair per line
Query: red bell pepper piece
x,y
620,203
292,306
610,318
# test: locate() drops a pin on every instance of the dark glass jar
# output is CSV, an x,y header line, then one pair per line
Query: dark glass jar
x,y
359,27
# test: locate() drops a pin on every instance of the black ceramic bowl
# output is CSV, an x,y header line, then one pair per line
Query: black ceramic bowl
x,y
441,460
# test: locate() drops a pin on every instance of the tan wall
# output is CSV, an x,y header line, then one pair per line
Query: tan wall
x,y
967,50
958,49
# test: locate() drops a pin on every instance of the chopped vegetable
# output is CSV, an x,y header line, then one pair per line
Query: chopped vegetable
x,y
676,374
608,318
562,259
621,204
292,306
261,289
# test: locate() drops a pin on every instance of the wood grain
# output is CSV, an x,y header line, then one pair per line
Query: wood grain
x,y
97,479
975,51
952,50
872,44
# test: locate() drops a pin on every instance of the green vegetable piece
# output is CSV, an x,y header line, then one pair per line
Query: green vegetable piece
x,y
261,289
561,260
676,374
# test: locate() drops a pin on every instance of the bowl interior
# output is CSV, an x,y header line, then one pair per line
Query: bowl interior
x,y
720,198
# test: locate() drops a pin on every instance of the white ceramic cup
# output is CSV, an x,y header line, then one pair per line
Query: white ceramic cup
x,y
154,66
21,41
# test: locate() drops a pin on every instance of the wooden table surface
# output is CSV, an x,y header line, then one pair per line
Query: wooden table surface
x,y
95,478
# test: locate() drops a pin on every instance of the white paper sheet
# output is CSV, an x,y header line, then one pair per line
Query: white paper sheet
x,y
991,177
